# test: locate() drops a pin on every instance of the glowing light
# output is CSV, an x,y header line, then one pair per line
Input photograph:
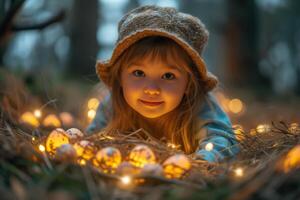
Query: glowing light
x,y
37,113
91,114
109,137
42,148
126,180
66,118
235,106
30,119
239,172
173,146
82,162
209,146
238,131
33,139
51,120
253,131
263,128
93,104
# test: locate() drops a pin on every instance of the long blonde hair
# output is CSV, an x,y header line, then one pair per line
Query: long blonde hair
x,y
178,126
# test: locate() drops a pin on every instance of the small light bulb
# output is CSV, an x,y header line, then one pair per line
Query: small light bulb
x,y
93,104
91,114
33,139
126,180
37,113
239,172
82,162
42,148
209,146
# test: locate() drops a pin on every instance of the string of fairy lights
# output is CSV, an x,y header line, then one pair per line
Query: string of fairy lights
x,y
70,144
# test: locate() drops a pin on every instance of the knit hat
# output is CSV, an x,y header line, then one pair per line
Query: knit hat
x,y
145,21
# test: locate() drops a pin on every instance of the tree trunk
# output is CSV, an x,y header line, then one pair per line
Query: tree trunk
x,y
84,45
242,45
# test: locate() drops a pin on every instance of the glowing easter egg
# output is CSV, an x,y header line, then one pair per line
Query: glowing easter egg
x,y
176,166
108,159
65,152
55,139
141,155
74,133
84,149
51,121
30,119
66,119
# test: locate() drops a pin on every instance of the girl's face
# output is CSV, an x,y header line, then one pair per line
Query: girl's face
x,y
152,87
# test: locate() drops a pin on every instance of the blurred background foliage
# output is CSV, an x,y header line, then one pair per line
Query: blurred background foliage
x,y
52,46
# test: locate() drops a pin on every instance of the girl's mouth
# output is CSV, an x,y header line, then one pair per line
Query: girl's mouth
x,y
149,103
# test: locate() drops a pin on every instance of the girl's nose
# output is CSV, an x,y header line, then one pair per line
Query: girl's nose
x,y
152,90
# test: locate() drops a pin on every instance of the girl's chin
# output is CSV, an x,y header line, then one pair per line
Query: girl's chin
x,y
153,116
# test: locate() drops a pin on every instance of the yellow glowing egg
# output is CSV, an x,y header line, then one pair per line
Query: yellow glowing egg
x,y
30,119
176,166
93,104
74,133
65,152
141,155
51,121
294,128
55,139
152,169
66,119
126,168
108,159
84,149
292,159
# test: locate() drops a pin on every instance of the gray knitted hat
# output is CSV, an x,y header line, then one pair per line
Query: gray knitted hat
x,y
187,31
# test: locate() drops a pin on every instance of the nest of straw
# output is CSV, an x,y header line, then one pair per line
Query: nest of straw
x,y
26,175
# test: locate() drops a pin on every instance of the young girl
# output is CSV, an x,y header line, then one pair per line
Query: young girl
x,y
159,82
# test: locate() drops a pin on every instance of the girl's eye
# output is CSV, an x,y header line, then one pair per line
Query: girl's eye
x,y
168,76
138,73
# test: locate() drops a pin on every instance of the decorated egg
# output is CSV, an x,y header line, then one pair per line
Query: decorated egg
x,y
65,152
141,155
51,121
176,166
66,119
55,139
152,169
126,168
108,159
30,119
74,133
84,149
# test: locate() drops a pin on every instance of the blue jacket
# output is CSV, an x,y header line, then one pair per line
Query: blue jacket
x,y
215,128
